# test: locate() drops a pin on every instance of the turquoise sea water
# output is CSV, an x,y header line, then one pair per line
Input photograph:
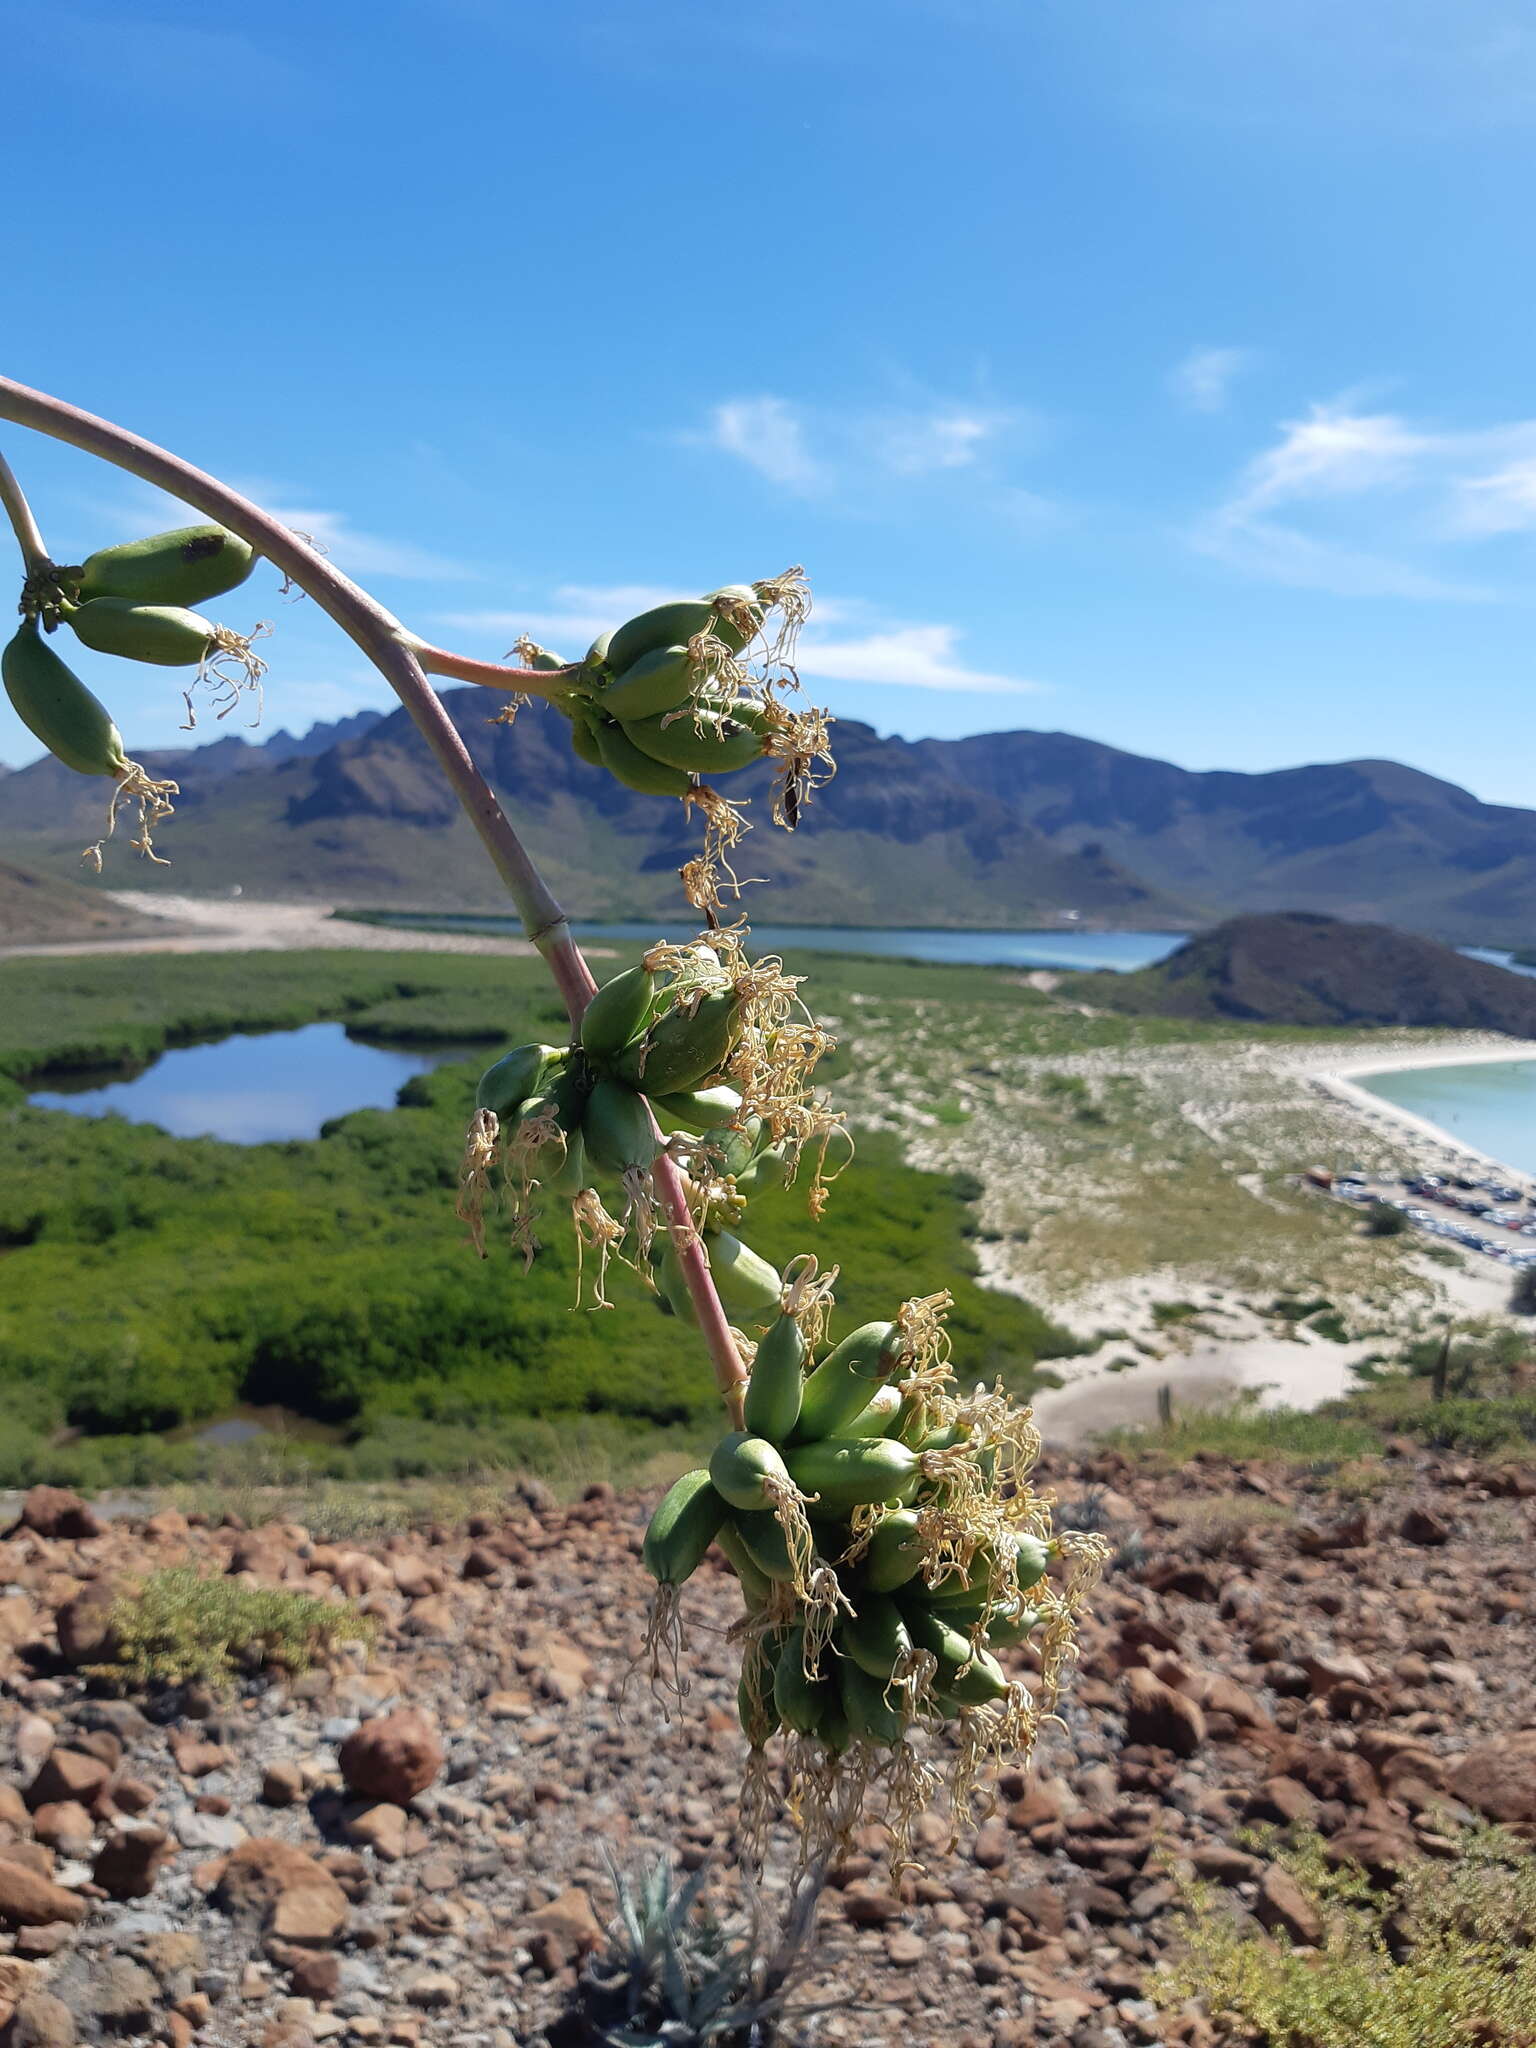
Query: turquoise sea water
x,y
1491,1108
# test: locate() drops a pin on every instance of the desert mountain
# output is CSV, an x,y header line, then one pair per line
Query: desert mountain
x,y
999,829
1300,968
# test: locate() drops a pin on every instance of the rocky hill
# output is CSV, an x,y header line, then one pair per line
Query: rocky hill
x,y
406,1845
1000,829
1302,968
38,908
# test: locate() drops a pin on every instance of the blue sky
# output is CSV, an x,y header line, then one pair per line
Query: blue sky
x,y
1159,370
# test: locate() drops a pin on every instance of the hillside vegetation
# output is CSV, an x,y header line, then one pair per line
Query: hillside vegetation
x,y
150,1281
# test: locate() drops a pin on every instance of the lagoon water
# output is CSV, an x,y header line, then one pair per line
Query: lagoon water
x,y
1491,1108
1060,946
255,1087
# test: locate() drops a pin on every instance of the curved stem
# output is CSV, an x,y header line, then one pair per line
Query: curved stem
x,y
553,683
34,552
398,656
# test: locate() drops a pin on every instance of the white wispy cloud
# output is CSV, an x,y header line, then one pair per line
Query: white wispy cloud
x,y
816,450
1373,504
903,657
1203,380
861,648
769,435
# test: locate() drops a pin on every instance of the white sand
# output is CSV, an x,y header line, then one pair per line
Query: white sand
x,y
1335,1080
205,924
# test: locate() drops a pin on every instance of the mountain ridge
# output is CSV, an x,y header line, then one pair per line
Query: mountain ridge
x,y
995,830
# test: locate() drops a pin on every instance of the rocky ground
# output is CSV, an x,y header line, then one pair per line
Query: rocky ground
x,y
408,1846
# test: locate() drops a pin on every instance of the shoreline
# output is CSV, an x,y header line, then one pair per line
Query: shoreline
x,y
1339,1081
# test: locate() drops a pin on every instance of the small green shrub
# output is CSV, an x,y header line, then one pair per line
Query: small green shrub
x,y
1448,1955
182,1629
1382,1220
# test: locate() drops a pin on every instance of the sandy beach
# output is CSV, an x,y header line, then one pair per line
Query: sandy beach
x,y
1339,1079
205,924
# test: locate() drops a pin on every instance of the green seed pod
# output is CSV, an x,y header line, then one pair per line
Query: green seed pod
x,y
747,1470
894,1554
772,1404
698,1111
636,770
1011,1624
57,708
680,1531
875,1636
541,658
768,1171
747,1285
846,1378
619,1011
878,1419
683,1048
1016,1561
701,741
730,1147
867,1705
186,566
617,1128
764,1542
972,1677
756,1586
658,682
516,1076
669,625
161,634
801,1702
852,1471
584,736
572,1175
597,654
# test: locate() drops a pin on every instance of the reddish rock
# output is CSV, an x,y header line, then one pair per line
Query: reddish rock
x,y
1423,1526
1226,1865
1499,1778
1380,1851
82,1625
67,1774
1160,1717
42,2021
285,1888
64,1825
1282,1906
392,1757
282,1784
131,1859
195,1756
28,1899
52,1511
381,1828
1327,1668
570,1922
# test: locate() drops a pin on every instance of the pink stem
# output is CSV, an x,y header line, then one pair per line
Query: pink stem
x,y
399,656
437,661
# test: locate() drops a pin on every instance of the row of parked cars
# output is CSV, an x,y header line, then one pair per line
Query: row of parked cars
x,y
1492,1203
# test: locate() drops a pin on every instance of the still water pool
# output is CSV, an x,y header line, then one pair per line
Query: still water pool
x,y
255,1087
